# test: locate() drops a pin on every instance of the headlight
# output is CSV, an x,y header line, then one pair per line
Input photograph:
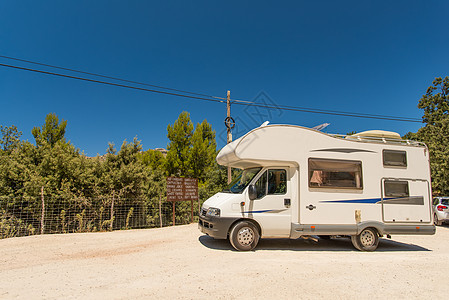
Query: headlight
x,y
213,212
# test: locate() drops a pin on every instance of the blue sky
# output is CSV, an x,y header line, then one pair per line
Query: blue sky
x,y
373,57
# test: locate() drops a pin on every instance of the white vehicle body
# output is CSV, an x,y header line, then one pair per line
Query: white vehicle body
x,y
440,210
391,198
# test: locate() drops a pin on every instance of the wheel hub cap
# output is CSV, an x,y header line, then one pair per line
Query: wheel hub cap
x,y
367,238
245,236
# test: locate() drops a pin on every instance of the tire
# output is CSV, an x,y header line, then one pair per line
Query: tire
x,y
367,240
244,236
436,221
355,243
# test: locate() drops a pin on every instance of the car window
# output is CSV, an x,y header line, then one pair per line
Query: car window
x,y
445,201
277,182
261,185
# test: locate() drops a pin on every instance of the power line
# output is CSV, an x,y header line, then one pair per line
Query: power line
x,y
378,117
288,108
105,76
108,83
235,101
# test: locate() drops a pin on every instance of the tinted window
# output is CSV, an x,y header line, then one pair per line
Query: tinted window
x,y
331,173
277,182
395,158
396,188
261,185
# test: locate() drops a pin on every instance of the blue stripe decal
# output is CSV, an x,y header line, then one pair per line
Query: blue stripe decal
x,y
371,201
257,211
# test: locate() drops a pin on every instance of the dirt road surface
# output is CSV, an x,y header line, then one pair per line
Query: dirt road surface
x,y
181,263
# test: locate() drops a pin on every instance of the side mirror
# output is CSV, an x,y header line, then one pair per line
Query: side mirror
x,y
252,192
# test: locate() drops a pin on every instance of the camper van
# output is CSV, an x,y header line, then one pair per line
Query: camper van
x,y
299,182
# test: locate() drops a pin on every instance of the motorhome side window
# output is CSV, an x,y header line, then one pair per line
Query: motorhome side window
x,y
332,173
272,182
394,158
395,188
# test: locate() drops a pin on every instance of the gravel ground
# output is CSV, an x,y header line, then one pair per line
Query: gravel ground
x,y
180,262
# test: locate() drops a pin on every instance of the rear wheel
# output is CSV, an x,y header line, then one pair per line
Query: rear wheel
x,y
367,240
355,243
244,236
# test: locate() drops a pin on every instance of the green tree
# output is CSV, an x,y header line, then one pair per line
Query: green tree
x,y
191,151
51,132
180,135
435,133
203,151
153,159
10,138
123,172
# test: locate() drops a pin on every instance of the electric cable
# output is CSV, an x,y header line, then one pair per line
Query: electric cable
x,y
103,76
308,109
281,107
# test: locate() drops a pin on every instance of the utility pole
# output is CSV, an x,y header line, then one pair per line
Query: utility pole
x,y
228,108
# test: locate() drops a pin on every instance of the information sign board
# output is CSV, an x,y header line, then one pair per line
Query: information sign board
x,y
182,189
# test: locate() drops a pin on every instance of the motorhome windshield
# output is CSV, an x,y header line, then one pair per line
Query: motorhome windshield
x,y
239,184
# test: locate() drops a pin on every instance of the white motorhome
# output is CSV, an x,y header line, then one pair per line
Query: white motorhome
x,y
297,182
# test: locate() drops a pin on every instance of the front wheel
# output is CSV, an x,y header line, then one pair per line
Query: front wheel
x,y
244,236
367,240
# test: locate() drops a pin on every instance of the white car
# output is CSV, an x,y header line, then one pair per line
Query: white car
x,y
440,210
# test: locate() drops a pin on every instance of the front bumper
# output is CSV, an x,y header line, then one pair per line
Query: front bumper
x,y
216,227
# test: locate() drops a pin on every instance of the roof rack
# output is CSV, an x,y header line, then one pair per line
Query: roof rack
x,y
379,140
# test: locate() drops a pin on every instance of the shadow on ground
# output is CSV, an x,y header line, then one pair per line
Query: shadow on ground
x,y
335,244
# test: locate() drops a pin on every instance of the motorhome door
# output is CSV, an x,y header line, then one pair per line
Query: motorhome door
x,y
271,209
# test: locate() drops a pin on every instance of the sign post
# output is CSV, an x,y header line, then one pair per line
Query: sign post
x,y
182,189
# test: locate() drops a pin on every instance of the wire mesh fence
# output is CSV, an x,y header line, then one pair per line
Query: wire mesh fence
x,y
23,217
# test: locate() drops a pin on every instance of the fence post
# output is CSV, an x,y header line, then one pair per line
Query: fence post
x,y
112,209
173,212
43,210
160,210
191,208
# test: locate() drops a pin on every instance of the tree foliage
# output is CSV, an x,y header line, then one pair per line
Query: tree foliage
x,y
180,135
81,192
51,132
10,138
435,133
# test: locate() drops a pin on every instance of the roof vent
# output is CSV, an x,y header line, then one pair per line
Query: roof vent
x,y
377,134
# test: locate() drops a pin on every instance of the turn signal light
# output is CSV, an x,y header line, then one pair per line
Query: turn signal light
x,y
313,227
441,207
